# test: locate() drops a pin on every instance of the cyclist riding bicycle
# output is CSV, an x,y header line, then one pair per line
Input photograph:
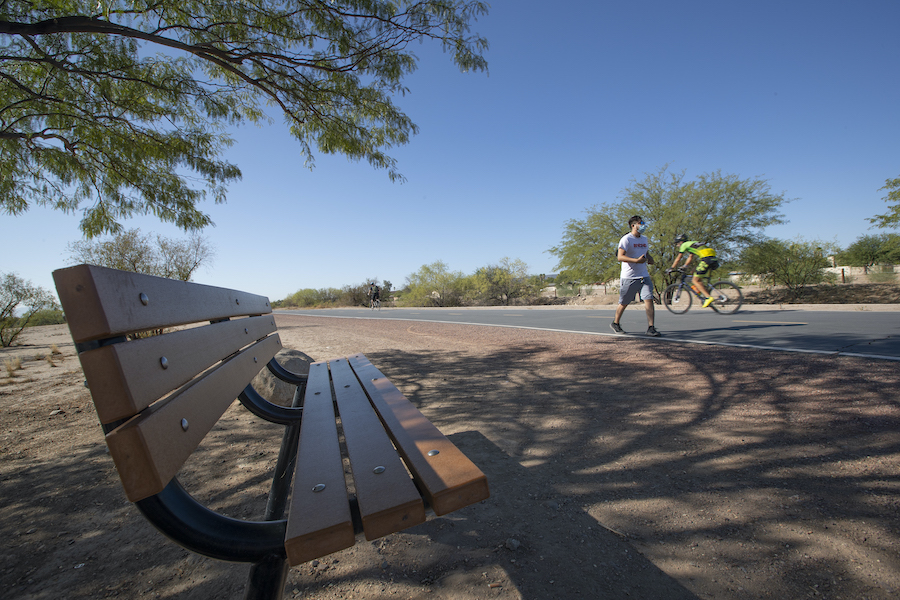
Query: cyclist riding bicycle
x,y
374,293
706,262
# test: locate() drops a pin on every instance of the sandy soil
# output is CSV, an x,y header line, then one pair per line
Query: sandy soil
x,y
619,468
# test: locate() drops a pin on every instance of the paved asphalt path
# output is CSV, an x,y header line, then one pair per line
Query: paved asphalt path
x,y
865,332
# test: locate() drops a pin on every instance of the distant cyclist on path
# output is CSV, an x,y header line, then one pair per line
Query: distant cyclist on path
x,y
374,294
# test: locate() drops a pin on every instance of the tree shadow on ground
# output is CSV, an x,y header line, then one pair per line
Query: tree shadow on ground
x,y
785,466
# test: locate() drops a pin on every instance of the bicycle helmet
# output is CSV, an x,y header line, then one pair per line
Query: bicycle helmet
x,y
680,238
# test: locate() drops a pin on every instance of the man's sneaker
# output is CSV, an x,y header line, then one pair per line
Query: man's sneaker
x,y
616,327
708,301
652,331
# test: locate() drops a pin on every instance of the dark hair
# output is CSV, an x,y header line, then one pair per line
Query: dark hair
x,y
635,218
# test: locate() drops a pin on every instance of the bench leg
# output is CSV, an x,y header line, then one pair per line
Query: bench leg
x,y
267,579
268,576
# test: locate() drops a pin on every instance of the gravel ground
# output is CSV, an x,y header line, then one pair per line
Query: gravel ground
x,y
619,468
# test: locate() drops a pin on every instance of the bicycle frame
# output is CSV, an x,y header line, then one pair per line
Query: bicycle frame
x,y
689,285
728,295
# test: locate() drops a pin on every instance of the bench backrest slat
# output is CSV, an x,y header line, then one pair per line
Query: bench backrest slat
x,y
126,378
150,448
388,498
320,514
447,478
101,303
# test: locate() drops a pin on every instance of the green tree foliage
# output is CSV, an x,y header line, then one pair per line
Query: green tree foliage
x,y
724,211
154,255
892,217
435,285
869,250
118,107
793,264
503,282
20,301
349,295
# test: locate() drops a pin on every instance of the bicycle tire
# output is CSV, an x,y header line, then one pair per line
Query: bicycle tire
x,y
733,294
677,298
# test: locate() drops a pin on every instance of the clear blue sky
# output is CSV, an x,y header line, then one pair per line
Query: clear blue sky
x,y
581,98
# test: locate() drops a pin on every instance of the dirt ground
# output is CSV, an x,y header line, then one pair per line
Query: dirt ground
x,y
619,468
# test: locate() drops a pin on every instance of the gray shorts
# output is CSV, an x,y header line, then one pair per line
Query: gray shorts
x,y
630,287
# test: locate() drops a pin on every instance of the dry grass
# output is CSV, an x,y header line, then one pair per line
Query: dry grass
x,y
12,365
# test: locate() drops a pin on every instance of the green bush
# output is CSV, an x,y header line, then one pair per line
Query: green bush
x,y
48,316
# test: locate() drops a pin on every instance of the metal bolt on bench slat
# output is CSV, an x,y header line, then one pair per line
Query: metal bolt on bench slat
x,y
318,487
378,470
184,424
164,362
144,299
433,452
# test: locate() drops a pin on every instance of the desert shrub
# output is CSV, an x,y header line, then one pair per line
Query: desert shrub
x,y
883,277
12,365
49,316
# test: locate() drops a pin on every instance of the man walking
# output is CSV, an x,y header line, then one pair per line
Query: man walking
x,y
634,254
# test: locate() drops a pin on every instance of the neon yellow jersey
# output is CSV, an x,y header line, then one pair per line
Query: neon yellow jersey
x,y
695,247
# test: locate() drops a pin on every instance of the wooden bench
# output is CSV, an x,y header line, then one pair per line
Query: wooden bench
x,y
157,396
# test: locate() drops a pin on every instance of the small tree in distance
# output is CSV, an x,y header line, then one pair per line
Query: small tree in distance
x,y
153,255
18,295
793,264
435,285
869,250
503,282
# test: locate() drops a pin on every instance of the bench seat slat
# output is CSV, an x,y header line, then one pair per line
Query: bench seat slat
x,y
150,448
319,521
124,379
388,498
448,479
101,303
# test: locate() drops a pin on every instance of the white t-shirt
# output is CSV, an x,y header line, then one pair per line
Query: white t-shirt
x,y
634,247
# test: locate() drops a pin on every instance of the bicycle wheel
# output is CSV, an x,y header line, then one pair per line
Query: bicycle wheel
x,y
677,298
728,297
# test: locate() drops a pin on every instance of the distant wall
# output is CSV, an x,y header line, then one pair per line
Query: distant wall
x,y
873,274
568,291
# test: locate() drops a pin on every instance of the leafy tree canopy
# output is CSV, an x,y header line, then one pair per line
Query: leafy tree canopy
x,y
724,211
119,107
892,217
